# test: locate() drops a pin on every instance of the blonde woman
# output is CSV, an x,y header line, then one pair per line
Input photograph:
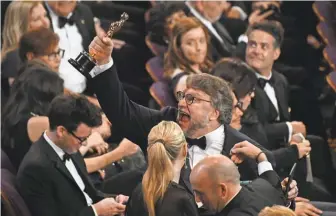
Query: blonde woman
x,y
160,194
20,17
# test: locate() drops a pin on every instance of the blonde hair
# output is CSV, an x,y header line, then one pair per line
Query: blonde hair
x,y
16,23
276,211
165,142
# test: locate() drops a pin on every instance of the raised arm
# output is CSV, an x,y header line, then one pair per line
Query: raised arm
x,y
132,120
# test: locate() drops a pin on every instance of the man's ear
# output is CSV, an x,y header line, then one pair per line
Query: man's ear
x,y
29,56
60,130
224,190
276,54
214,115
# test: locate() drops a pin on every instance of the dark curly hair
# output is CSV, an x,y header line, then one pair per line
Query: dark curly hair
x,y
157,20
71,110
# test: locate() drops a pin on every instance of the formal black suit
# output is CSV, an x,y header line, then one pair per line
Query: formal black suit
x,y
47,186
285,157
176,201
134,122
277,131
252,198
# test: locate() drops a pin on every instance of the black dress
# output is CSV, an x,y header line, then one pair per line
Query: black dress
x,y
20,142
176,201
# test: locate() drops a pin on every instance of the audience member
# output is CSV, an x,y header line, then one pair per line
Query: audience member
x,y
52,177
243,82
20,17
162,18
216,184
160,192
31,95
73,22
188,52
41,44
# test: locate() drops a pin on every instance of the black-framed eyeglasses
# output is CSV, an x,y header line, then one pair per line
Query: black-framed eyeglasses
x,y
80,139
52,56
188,97
239,105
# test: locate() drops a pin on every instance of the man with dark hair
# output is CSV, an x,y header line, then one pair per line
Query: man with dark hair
x,y
204,113
52,177
271,102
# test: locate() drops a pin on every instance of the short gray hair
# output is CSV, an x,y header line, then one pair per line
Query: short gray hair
x,y
219,92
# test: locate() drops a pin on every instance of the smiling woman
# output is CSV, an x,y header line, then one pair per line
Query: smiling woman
x,y
188,52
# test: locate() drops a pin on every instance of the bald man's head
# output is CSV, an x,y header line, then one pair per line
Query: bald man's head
x,y
218,168
215,180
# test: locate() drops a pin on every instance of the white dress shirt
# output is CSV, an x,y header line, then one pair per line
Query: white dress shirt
x,y
214,139
71,41
72,169
270,92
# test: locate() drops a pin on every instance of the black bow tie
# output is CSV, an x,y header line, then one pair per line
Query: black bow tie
x,y
66,157
262,82
201,142
62,21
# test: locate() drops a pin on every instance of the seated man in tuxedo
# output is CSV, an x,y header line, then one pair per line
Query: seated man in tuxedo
x,y
52,177
216,184
272,95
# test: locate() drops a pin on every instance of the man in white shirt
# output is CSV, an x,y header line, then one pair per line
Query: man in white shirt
x,y
73,22
271,95
52,177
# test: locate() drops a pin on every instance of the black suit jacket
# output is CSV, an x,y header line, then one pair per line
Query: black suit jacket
x,y
134,121
176,201
277,131
284,157
252,198
47,186
83,18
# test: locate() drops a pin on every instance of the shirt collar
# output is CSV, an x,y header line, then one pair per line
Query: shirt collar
x,y
54,16
216,135
57,149
261,76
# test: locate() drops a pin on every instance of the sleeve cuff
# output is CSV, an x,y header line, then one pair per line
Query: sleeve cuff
x,y
290,131
264,166
101,68
243,38
94,210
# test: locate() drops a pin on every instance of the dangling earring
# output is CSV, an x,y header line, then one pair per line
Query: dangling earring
x,y
185,163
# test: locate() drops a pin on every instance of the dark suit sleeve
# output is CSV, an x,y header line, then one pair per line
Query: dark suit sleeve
x,y
239,212
277,131
36,190
286,157
272,177
132,120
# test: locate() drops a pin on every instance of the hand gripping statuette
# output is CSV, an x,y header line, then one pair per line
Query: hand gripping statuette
x,y
85,61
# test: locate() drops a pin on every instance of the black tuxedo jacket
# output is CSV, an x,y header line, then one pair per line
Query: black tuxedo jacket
x,y
83,18
134,121
277,131
252,198
47,186
284,157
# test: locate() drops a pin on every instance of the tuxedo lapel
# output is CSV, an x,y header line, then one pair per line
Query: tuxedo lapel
x,y
280,96
48,15
185,175
264,105
59,165
82,28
